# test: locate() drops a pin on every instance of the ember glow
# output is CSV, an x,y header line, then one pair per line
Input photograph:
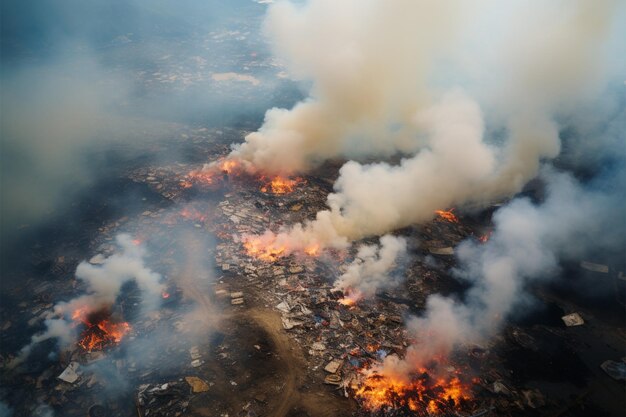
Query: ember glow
x,y
313,250
350,297
423,394
447,215
191,213
214,174
281,185
186,184
100,330
484,238
257,247
268,248
205,177
228,166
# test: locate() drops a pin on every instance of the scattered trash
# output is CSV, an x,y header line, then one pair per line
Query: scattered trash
x,y
534,398
616,370
197,384
442,251
332,379
69,374
590,266
333,366
163,400
573,319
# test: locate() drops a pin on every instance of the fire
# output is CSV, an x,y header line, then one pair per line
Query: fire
x,y
99,332
186,184
484,238
350,297
448,215
269,252
165,295
436,396
268,248
213,174
228,166
281,185
191,213
202,176
313,250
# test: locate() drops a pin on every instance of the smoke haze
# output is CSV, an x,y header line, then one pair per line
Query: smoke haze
x,y
528,244
403,107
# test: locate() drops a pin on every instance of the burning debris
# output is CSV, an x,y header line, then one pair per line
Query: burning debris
x,y
304,300
422,395
100,329
104,281
280,185
448,215
372,269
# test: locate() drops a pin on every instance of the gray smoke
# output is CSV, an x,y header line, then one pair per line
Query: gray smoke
x,y
371,269
376,93
103,284
528,243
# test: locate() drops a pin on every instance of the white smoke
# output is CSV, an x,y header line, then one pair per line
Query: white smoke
x,y
527,244
369,62
104,283
373,94
370,270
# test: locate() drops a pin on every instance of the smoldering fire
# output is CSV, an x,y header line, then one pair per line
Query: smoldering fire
x,y
459,134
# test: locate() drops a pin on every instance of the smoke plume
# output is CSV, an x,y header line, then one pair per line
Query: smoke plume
x,y
371,269
365,89
527,244
103,284
376,92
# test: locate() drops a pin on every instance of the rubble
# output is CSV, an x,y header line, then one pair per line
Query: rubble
x,y
573,319
442,251
340,340
593,267
197,384
616,370
69,374
333,366
332,379
163,400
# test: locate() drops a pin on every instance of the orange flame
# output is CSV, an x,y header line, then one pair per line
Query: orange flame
x,y
191,213
350,297
228,166
202,176
437,396
281,185
447,215
212,174
101,333
313,250
484,238
267,248
256,246
165,294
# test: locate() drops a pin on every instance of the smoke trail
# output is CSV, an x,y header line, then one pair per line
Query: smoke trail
x,y
455,160
372,267
104,283
366,88
527,245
